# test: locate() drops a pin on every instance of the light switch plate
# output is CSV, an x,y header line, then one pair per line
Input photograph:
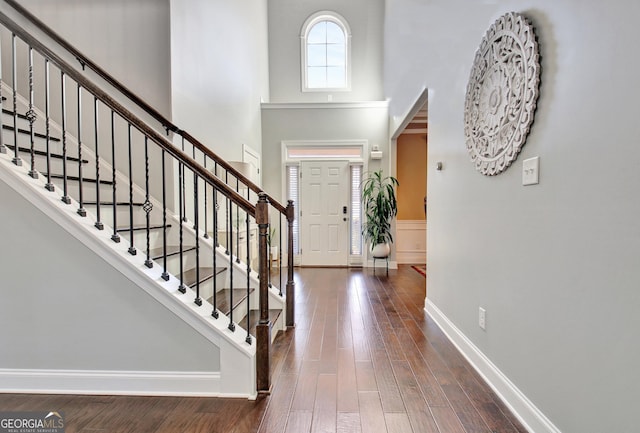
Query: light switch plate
x,y
531,171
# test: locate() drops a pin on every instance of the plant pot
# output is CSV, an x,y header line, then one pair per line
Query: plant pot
x,y
380,251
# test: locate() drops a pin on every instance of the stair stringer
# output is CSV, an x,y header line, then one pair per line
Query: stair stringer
x,y
237,358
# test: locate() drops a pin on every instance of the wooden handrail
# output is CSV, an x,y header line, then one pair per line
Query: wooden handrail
x,y
157,138
166,123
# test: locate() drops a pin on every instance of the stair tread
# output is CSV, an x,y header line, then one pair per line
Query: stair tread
x,y
254,317
10,113
124,229
222,299
110,203
158,253
206,273
76,178
44,153
26,131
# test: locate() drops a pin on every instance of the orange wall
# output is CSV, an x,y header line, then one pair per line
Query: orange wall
x,y
412,176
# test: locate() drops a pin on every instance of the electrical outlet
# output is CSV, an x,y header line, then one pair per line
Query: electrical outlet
x,y
482,318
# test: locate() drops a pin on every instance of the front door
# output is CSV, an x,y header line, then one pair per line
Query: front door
x,y
324,195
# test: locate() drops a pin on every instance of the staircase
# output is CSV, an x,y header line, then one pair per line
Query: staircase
x,y
188,227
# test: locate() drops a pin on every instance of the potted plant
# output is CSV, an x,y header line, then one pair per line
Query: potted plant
x,y
380,207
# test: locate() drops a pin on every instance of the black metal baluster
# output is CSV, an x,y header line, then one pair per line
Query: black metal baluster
x,y
115,236
227,222
132,247
65,189
182,287
248,199
248,339
238,225
3,148
193,155
214,313
206,231
14,68
31,117
98,223
183,192
81,210
147,206
216,208
165,274
280,252
269,253
232,326
198,300
47,112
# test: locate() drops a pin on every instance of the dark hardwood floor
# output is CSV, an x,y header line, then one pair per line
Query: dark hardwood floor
x,y
363,357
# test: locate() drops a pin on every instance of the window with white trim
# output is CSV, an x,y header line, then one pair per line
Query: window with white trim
x,y
355,226
325,52
293,188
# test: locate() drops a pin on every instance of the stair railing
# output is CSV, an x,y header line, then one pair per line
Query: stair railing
x,y
205,182
281,211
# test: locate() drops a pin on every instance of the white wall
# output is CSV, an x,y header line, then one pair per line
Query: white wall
x,y
220,72
137,49
65,308
286,18
555,265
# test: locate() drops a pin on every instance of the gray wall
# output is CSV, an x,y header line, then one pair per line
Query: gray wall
x,y
129,39
65,308
318,123
555,265
365,18
220,72
315,122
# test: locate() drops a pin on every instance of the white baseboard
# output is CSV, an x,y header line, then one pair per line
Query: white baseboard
x,y
411,257
381,263
528,414
95,382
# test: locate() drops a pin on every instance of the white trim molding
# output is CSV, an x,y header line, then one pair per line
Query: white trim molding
x,y
322,105
98,382
526,412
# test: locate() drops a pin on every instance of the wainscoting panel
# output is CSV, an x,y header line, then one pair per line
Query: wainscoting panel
x,y
411,241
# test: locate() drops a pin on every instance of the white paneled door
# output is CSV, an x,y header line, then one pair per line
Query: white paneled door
x,y
324,197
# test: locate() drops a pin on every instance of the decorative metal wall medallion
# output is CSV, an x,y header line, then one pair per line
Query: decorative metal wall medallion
x,y
501,94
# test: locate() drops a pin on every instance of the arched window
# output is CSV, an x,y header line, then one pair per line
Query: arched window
x,y
325,52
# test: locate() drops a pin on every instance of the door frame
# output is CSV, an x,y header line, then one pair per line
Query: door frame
x,y
355,152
